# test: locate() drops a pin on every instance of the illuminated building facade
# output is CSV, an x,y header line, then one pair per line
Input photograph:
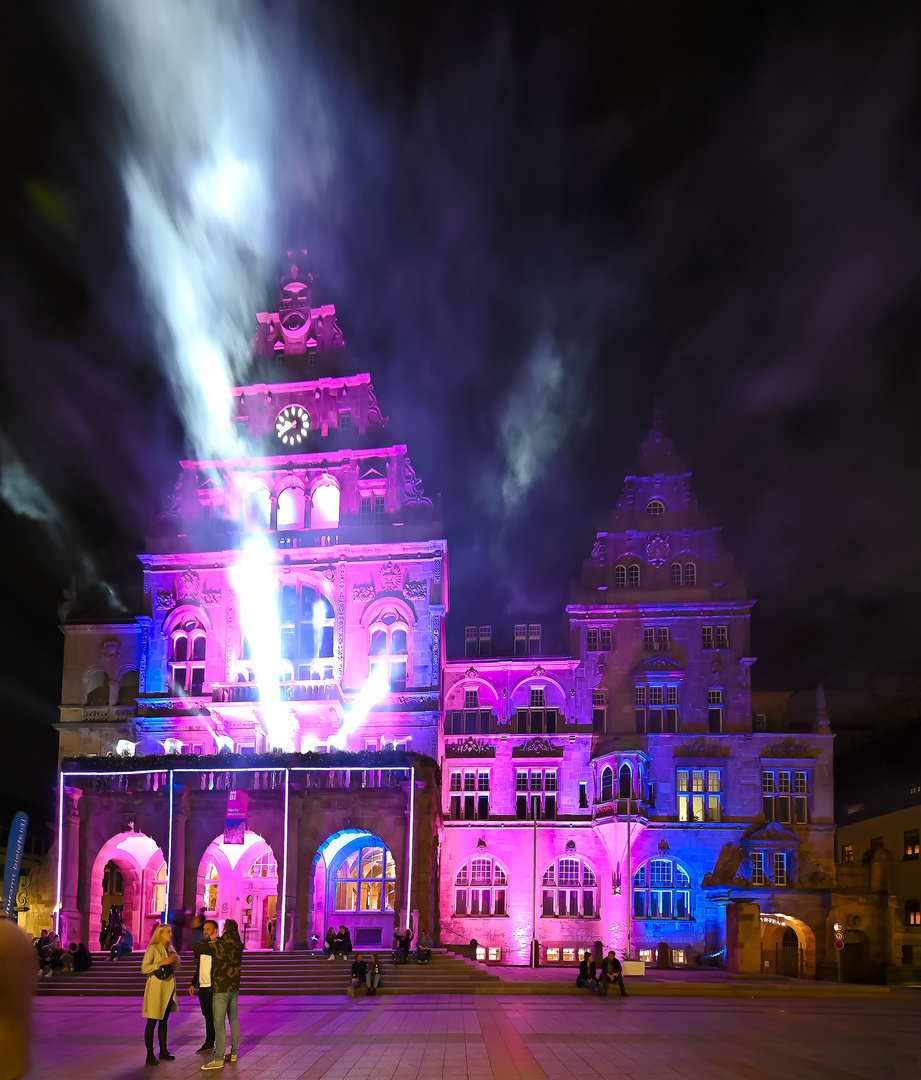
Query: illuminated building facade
x,y
535,804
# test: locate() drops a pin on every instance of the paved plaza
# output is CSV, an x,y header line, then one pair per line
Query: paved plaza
x,y
506,1038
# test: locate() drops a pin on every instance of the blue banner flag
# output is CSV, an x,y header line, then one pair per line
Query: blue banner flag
x,y
14,849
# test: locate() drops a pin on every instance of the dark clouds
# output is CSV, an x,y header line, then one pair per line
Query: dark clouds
x,y
533,220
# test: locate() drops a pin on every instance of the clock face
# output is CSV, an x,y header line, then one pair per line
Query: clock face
x,y
292,425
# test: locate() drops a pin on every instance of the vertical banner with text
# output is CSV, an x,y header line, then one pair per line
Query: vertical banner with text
x,y
235,822
14,849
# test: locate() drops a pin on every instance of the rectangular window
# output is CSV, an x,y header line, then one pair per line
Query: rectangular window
x,y
469,808
521,780
378,509
715,697
912,844
482,780
455,780
640,720
847,853
801,806
471,699
456,808
533,639
663,642
757,858
671,695
607,639
521,721
800,783
470,781
460,901
535,808
521,639
722,637
649,638
551,716
714,720
521,807
345,421
537,780
912,913
592,643
550,807
655,722
697,780
679,956
706,637
714,781
639,696
482,807
599,709
671,721
780,868
569,956
366,514
470,641
550,780
485,640
682,784
537,697
767,781
553,956
759,722
583,795
656,695
784,783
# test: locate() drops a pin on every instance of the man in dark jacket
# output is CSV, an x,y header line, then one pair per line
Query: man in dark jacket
x,y
358,975
227,961
611,971
201,981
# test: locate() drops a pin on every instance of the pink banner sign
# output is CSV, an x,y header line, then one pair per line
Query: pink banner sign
x,y
235,822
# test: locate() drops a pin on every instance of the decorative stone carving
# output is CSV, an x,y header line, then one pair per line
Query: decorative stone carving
x,y
110,648
788,748
701,747
570,845
188,587
539,745
481,844
329,573
390,577
364,593
211,597
539,671
663,847
415,590
657,550
471,673
412,486
164,598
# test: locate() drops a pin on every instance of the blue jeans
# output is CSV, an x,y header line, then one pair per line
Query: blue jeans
x,y
226,1005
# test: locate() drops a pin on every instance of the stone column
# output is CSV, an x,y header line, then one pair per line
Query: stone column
x,y
743,938
292,932
71,919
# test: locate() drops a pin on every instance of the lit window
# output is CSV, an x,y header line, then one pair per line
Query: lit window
x,y
912,844
290,509
679,956
569,956
847,853
645,956
494,954
481,888
757,864
780,868
662,890
553,956
569,889
307,625
912,913
365,880
655,508
389,650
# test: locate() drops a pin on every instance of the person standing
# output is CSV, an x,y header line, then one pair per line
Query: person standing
x,y
159,965
227,963
612,971
17,985
374,975
423,948
358,974
201,981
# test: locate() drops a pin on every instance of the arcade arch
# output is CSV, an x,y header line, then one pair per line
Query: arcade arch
x,y
355,885
240,881
135,862
787,946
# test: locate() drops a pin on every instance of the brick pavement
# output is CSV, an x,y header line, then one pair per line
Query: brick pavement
x,y
497,1038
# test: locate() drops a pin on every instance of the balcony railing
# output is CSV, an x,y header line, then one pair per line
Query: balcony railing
x,y
297,690
620,808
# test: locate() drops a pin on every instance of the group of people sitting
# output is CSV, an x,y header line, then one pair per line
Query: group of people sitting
x,y
54,958
402,947
599,978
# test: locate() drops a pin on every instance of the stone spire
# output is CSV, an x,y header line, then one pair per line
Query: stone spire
x,y
657,452
822,724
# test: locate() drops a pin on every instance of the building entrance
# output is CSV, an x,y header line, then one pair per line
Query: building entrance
x,y
355,885
240,881
129,888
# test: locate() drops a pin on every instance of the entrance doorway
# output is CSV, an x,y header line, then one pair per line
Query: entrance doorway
x,y
787,947
129,888
355,885
240,881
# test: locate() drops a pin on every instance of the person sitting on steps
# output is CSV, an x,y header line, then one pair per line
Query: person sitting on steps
x,y
374,975
423,948
611,971
358,975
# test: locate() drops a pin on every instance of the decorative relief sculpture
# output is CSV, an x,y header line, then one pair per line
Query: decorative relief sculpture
x,y
701,747
412,486
657,550
110,648
539,745
390,577
164,598
364,593
470,745
788,748
415,590
539,671
471,673
211,597
570,845
188,587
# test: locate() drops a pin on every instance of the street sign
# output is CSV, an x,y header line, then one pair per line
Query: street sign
x,y
839,944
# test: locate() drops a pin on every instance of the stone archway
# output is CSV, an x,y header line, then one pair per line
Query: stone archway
x,y
240,881
353,887
787,946
141,863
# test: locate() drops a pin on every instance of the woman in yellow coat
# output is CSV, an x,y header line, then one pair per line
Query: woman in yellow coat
x,y
18,967
159,965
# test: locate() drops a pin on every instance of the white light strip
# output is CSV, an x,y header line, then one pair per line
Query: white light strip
x,y
57,906
169,846
409,844
280,938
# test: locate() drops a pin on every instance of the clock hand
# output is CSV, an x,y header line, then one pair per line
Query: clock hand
x,y
290,424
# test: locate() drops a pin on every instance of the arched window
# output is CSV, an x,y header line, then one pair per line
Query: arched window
x,y
128,688
620,577
655,508
324,507
389,647
625,782
307,625
607,784
366,880
633,576
676,573
96,688
570,889
187,644
690,573
662,890
264,867
158,895
290,511
481,888
209,899
257,510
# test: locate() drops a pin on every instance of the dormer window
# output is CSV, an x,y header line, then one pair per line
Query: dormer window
x,y
655,508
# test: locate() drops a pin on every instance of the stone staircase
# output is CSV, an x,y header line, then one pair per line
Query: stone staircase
x,y
298,973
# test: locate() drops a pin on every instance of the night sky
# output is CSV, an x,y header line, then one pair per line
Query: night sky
x,y
534,221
